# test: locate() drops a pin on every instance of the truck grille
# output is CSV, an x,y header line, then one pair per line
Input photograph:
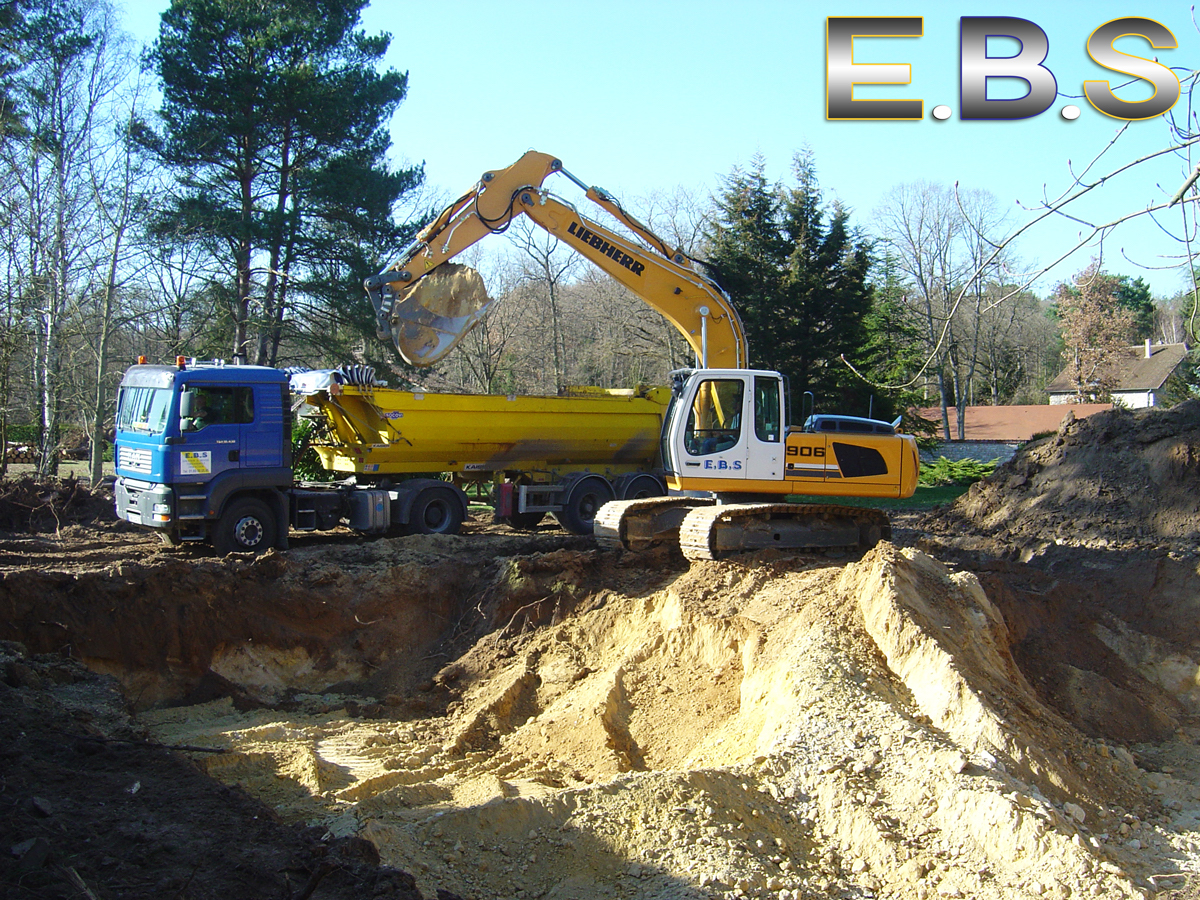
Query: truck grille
x,y
133,458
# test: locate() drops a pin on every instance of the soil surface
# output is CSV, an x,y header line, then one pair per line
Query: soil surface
x,y
1001,703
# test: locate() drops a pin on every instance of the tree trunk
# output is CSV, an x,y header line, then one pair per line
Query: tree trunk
x,y
99,407
243,257
941,381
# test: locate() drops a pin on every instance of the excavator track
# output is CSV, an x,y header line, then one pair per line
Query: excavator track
x,y
719,531
639,524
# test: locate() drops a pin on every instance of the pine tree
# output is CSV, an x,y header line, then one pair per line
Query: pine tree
x,y
797,273
274,119
12,37
1133,294
891,352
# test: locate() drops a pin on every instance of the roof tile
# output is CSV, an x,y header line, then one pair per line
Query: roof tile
x,y
1011,423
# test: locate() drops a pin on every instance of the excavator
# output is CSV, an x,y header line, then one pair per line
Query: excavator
x,y
729,456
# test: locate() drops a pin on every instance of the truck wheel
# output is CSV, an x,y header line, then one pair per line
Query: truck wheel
x,y
170,537
582,502
247,526
435,511
526,521
642,486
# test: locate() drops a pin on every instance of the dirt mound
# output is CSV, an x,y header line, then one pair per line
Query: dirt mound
x,y
776,727
529,716
27,505
1119,478
999,713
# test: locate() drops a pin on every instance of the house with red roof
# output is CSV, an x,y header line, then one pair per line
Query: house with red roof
x,y
995,432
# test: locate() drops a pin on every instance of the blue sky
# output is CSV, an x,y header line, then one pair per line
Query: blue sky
x,y
644,96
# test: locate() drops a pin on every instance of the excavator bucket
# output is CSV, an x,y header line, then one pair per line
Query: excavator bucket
x,y
431,317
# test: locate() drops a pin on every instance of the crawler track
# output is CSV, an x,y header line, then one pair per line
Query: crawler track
x,y
642,523
717,531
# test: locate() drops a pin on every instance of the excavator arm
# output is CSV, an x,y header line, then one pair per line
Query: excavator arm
x,y
426,323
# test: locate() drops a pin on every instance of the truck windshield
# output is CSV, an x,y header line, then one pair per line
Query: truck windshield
x,y
143,409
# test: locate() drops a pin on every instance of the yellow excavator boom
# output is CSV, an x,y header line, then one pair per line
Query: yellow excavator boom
x,y
663,277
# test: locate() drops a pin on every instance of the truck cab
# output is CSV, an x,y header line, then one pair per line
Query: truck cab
x,y
192,438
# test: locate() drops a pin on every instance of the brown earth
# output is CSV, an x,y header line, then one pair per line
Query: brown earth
x,y
1000,704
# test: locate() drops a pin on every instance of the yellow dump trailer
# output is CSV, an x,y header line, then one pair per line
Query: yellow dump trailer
x,y
567,455
386,431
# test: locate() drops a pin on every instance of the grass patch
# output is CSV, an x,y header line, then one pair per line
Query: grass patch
x,y
926,497
945,471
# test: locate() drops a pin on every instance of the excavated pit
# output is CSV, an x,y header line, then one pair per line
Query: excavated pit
x,y
501,714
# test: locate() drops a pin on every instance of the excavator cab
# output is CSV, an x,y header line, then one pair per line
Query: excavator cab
x,y
725,427
714,420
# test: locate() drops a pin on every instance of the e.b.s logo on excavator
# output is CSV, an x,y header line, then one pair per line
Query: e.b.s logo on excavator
x,y
616,254
722,464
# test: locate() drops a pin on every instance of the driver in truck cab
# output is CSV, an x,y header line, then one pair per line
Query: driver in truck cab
x,y
209,407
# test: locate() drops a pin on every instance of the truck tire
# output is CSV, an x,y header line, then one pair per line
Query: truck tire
x,y
170,537
524,521
639,487
582,502
246,526
435,511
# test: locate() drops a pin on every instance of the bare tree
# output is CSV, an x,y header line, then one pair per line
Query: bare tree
x,y
1096,331
923,226
76,66
681,217
118,181
946,243
484,360
15,323
548,268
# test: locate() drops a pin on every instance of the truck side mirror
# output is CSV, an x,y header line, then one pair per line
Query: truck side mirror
x,y
187,401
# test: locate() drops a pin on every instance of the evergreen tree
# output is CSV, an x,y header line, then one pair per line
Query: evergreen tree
x,y
274,118
1134,295
892,350
12,36
797,273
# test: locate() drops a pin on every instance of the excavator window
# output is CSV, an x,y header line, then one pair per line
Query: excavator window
x,y
766,409
714,423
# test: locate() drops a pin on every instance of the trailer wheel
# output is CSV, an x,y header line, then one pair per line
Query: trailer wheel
x,y
435,511
582,502
639,487
525,521
247,526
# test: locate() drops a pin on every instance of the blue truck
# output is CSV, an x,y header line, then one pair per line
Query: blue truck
x,y
204,453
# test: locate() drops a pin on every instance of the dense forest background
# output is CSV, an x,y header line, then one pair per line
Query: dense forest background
x,y
224,194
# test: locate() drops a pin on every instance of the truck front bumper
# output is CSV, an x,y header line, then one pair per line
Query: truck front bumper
x,y
145,502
